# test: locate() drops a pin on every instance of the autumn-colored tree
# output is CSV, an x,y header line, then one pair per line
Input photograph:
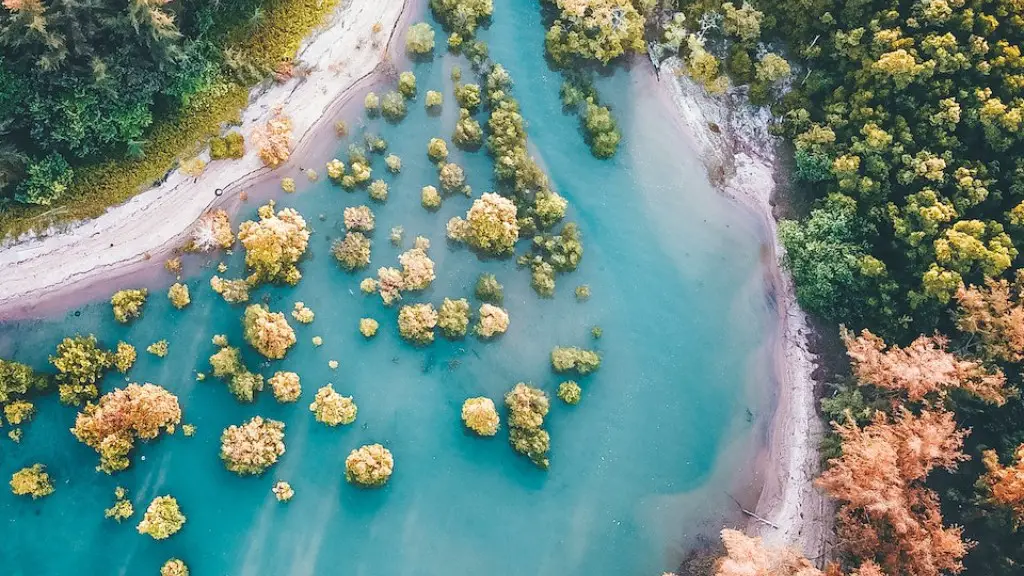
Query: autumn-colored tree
x,y
122,415
995,315
747,556
1006,483
886,513
924,370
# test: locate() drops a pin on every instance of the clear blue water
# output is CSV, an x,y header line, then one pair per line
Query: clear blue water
x,y
637,468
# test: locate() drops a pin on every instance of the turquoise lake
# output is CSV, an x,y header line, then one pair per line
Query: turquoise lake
x,y
669,424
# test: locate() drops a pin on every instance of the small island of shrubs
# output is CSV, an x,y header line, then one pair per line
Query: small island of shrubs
x,y
369,466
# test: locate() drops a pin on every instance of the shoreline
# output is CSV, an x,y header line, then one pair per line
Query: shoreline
x,y
738,153
130,239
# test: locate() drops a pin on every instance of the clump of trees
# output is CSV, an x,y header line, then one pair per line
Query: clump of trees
x,y
527,407
598,30
417,267
303,314
416,323
174,567
393,107
461,17
232,291
419,39
570,392
407,84
163,518
273,245
111,426
178,295
514,168
492,321
453,317
359,219
227,365
127,304
353,251
488,289
211,231
430,198
158,348
437,149
80,364
124,357
368,327
369,466
253,447
232,145
480,416
286,386
331,408
274,139
283,491
490,225
566,359
468,134
268,332
32,481
122,508
17,383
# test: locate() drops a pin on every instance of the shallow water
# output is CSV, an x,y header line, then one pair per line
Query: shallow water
x,y
637,468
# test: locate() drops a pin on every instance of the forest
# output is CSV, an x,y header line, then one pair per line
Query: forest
x,y
98,101
904,120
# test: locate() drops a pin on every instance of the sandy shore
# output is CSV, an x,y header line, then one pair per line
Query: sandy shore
x,y
739,154
345,53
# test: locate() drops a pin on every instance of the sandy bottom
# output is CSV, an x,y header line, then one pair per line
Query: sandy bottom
x,y
739,155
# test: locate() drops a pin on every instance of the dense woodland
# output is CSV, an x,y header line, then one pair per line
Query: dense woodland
x,y
905,121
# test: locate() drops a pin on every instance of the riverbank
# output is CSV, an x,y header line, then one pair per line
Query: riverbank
x,y
344,54
739,154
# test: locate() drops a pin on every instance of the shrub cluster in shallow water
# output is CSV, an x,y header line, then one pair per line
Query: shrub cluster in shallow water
x,y
253,447
178,295
274,244
331,408
111,426
174,567
80,364
268,332
416,323
490,225
163,518
453,317
527,407
480,416
128,304
286,386
370,466
492,321
565,359
32,481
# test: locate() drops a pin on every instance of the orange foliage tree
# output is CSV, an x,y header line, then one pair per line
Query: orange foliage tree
x,y
122,415
925,371
1006,483
746,556
995,315
886,513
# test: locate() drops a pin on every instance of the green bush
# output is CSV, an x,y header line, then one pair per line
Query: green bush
x,y
232,145
47,181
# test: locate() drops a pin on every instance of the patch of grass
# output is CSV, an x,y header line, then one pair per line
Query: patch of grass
x,y
97,187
